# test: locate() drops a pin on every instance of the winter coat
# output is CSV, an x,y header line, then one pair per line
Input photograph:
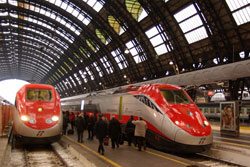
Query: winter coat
x,y
65,120
101,129
130,127
80,124
114,128
91,122
140,128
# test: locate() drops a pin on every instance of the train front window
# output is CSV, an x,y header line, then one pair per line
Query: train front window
x,y
175,96
39,94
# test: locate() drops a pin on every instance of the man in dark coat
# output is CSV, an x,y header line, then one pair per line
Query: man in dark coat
x,y
101,129
91,123
130,130
80,126
114,131
65,122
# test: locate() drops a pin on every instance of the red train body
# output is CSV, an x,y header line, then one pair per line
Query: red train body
x,y
174,121
37,117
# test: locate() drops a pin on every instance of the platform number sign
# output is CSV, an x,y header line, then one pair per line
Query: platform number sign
x,y
40,133
202,140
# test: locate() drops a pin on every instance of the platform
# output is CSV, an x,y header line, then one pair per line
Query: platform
x,y
125,155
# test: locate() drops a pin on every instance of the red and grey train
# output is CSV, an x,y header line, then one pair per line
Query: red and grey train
x,y
174,121
37,116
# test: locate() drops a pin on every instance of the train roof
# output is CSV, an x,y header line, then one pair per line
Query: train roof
x,y
40,86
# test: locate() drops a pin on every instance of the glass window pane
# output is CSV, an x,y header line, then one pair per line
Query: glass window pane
x,y
185,13
156,40
152,32
161,49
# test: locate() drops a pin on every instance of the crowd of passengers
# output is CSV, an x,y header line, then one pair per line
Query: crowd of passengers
x,y
102,129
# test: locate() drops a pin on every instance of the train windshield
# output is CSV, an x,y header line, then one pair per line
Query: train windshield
x,y
39,94
175,96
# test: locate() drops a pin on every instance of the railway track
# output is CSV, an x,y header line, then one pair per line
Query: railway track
x,y
42,156
36,156
212,162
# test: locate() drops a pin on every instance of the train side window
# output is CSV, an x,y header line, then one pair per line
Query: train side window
x,y
205,110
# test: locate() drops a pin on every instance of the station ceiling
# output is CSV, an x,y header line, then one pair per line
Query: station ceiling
x,y
81,46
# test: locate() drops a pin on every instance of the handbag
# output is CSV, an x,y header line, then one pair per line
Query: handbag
x,y
106,141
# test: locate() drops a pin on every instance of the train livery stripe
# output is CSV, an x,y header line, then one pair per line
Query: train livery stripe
x,y
120,108
94,152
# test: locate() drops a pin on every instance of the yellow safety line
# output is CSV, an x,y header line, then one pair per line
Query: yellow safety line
x,y
244,127
232,144
97,154
162,156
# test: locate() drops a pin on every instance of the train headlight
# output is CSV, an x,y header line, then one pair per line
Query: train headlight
x,y
177,122
40,109
55,118
24,118
206,123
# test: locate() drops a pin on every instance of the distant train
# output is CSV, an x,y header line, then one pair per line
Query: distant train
x,y
212,110
174,121
37,117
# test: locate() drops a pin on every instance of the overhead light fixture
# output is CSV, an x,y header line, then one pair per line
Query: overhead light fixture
x,y
171,62
126,51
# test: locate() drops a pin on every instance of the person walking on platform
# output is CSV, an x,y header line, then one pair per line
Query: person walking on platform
x,y
72,120
101,129
80,126
91,123
130,130
65,122
114,131
140,132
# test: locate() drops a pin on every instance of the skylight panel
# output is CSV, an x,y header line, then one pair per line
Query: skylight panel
x,y
12,2
86,21
3,13
97,7
91,2
156,40
42,11
47,13
75,13
107,65
185,13
3,1
58,3
191,25
159,40
196,35
119,58
70,9
64,6
240,10
152,32
143,15
53,16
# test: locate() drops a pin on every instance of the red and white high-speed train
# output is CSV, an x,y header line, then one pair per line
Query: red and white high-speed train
x,y
37,117
174,121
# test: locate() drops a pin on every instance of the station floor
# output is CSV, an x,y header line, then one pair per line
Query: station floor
x,y
123,156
